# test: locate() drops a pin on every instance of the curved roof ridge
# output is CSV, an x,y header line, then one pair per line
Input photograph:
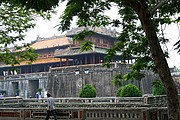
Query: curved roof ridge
x,y
49,43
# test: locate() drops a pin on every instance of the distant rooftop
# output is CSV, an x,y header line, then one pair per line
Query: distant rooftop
x,y
101,30
78,51
41,43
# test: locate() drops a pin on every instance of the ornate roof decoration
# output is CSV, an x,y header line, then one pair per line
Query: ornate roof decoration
x,y
101,30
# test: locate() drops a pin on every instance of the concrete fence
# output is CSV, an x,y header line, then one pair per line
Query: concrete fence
x,y
102,108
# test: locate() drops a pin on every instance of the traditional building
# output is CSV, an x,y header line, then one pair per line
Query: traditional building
x,y
55,52
45,49
102,40
63,69
58,51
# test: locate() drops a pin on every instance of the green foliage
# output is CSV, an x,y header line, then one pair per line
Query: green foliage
x,y
89,12
128,90
86,45
158,88
39,5
87,91
14,22
82,35
118,93
117,80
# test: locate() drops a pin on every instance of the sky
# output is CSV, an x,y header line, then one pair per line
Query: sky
x,y
46,28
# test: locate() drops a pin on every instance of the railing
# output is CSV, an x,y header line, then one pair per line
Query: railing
x,y
74,114
86,102
25,76
11,101
102,108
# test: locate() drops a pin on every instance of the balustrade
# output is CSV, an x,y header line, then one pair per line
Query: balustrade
x,y
106,108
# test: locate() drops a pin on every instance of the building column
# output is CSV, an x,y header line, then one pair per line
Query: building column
x,y
93,59
67,62
85,59
60,62
99,59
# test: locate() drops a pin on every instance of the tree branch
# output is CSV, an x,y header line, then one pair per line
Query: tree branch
x,y
161,3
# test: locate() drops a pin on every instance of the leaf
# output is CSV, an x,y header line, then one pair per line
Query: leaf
x,y
117,80
86,45
83,34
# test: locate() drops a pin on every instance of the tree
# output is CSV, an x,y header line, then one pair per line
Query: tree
x,y
87,91
14,22
117,80
38,5
129,90
141,36
158,88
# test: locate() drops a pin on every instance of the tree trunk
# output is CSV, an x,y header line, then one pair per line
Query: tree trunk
x,y
160,61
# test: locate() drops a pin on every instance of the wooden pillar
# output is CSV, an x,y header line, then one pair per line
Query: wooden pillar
x,y
67,62
60,62
31,69
93,59
72,61
99,58
85,59
20,70
45,67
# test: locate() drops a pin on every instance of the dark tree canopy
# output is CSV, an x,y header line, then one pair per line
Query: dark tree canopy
x,y
39,5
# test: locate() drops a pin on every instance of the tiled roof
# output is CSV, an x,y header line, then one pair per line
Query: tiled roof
x,y
49,43
77,51
41,61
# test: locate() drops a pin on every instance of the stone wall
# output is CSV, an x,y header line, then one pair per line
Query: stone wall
x,y
68,81
26,84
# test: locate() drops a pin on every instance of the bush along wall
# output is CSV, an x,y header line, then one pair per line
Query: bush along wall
x,y
128,90
158,88
87,91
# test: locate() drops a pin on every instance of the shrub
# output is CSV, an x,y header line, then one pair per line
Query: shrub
x,y
158,88
118,93
129,90
87,91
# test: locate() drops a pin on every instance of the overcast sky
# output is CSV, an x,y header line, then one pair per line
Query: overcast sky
x,y
45,28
